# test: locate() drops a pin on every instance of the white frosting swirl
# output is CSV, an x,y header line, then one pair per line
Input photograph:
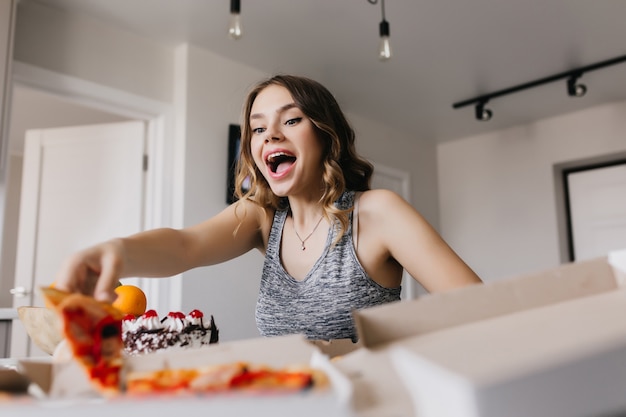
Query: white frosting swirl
x,y
150,323
194,321
129,325
175,324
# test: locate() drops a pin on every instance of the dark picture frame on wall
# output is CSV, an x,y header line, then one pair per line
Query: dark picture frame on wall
x,y
234,145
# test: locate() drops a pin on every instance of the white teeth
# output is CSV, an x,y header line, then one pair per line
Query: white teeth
x,y
274,155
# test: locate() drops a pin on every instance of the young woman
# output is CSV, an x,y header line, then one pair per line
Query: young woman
x,y
331,244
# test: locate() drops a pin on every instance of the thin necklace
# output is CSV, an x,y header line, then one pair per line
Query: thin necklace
x,y
312,231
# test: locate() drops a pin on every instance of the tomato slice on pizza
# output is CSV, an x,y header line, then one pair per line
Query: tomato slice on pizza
x,y
234,376
93,330
270,379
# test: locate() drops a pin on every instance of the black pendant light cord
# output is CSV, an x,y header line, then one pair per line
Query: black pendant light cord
x,y
573,88
382,6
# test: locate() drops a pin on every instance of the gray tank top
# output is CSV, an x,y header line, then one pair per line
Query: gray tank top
x,y
320,306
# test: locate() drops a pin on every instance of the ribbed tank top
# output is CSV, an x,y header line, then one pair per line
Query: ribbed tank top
x,y
319,306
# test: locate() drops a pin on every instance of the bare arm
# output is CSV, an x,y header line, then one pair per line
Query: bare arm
x,y
409,239
163,252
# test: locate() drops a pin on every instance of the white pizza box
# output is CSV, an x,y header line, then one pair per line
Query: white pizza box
x,y
563,360
379,390
432,312
66,381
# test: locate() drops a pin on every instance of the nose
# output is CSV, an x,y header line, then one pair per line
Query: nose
x,y
272,135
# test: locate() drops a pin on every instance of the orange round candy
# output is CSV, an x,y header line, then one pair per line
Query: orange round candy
x,y
130,300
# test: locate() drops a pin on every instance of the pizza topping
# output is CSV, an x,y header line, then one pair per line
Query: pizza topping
x,y
234,376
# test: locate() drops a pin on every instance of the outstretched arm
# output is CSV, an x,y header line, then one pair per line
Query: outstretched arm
x,y
162,252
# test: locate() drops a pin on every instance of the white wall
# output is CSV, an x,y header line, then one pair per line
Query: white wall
x,y
497,190
389,147
207,92
87,49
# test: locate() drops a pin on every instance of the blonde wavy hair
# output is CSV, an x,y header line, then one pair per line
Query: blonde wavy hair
x,y
343,168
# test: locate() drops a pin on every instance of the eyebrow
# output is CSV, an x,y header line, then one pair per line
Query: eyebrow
x,y
280,110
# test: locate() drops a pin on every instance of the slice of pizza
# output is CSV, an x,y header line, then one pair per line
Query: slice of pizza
x,y
93,330
227,377
205,379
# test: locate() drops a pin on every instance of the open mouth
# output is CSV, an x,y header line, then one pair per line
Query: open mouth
x,y
279,162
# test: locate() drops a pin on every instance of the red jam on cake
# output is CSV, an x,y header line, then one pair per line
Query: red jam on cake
x,y
148,333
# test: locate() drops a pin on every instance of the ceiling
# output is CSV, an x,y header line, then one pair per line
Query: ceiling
x,y
445,51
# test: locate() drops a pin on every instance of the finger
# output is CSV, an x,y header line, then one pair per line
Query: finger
x,y
69,275
105,286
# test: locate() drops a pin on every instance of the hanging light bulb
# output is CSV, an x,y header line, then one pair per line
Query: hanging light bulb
x,y
384,50
234,29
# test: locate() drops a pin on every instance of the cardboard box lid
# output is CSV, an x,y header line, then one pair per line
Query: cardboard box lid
x,y
386,323
483,353
490,351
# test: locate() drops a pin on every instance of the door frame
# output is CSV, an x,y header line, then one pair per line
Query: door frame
x,y
164,184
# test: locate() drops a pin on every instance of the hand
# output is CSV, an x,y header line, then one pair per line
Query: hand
x,y
93,271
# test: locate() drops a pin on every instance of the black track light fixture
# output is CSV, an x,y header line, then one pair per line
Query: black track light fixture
x,y
574,88
483,114
234,28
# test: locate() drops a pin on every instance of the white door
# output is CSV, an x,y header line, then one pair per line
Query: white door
x,y
398,181
597,200
80,185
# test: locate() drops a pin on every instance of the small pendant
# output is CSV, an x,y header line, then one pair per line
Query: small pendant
x,y
303,248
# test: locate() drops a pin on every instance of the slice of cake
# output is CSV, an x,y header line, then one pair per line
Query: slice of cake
x,y
148,333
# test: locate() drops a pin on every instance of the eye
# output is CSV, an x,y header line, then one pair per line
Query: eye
x,y
258,130
294,121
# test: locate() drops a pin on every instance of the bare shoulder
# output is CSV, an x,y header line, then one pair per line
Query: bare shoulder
x,y
381,202
388,215
248,214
